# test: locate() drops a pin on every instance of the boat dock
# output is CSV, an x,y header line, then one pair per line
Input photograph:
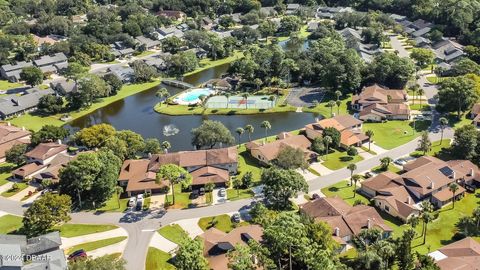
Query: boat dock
x,y
178,84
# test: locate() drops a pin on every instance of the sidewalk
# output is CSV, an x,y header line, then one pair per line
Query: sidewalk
x,y
115,248
162,243
73,241
20,195
190,226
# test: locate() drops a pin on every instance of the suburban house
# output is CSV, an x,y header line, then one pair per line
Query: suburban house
x,y
345,220
218,243
463,254
44,158
426,178
124,73
353,39
119,49
156,62
349,127
172,14
10,136
447,51
64,87
212,165
377,103
147,42
52,63
292,8
475,115
12,72
12,105
390,196
268,152
45,248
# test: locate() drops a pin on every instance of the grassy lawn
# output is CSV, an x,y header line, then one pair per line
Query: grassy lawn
x,y
344,191
182,199
233,194
224,223
418,107
144,53
97,244
207,63
246,163
339,159
73,230
391,168
158,260
454,122
6,85
11,192
35,122
435,150
112,205
324,109
10,223
196,110
5,172
391,134
313,171
173,232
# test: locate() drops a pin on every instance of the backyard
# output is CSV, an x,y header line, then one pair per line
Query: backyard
x,y
391,134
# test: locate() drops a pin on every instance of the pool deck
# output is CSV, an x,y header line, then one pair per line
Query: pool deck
x,y
180,98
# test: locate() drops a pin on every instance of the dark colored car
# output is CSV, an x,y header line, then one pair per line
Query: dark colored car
x,y
139,205
78,254
236,217
194,194
315,196
202,191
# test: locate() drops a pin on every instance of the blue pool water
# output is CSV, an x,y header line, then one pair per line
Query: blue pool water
x,y
195,94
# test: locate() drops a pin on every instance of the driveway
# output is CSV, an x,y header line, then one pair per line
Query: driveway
x,y
305,96
162,243
397,46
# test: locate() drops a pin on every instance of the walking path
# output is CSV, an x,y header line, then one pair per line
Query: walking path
x,y
20,195
162,243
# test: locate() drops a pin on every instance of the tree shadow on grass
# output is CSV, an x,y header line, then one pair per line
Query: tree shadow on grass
x,y
346,158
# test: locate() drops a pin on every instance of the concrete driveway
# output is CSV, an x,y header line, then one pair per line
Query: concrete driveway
x,y
397,46
162,243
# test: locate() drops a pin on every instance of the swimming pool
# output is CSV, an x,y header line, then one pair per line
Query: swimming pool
x,y
192,96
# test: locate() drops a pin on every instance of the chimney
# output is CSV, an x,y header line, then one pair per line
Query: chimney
x,y
369,223
336,231
59,141
471,172
454,175
432,185
8,123
409,200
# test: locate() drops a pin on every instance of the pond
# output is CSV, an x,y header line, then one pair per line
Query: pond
x,y
136,113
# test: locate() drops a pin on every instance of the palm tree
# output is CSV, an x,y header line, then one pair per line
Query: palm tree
x,y
327,140
356,178
427,218
209,189
352,167
240,132
369,134
118,191
385,162
420,94
257,82
227,95
163,94
250,129
443,124
331,103
245,96
338,94
414,90
453,187
272,99
338,102
165,146
413,221
476,216
266,125
174,174
426,207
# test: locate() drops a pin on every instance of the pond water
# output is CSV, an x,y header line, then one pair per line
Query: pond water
x,y
136,113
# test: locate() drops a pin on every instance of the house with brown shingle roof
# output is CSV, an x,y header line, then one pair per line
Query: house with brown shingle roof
x,y
268,152
345,220
376,103
217,243
426,178
45,152
211,165
462,255
10,136
349,127
475,115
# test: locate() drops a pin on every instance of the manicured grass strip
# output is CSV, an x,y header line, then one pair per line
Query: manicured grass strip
x,y
391,134
339,159
174,233
221,222
5,172
233,194
324,109
420,107
391,168
313,171
435,150
158,260
196,110
97,244
368,151
6,85
73,230
182,199
344,191
112,205
20,186
207,63
10,223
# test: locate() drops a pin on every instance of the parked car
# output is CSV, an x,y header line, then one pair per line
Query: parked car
x,y
400,161
194,194
315,196
139,205
132,201
78,254
370,174
202,191
236,217
222,192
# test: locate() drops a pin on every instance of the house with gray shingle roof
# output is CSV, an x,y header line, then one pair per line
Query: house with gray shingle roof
x,y
12,105
12,72
52,63
447,51
147,42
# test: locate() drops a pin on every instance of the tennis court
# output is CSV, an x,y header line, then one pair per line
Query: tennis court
x,y
239,102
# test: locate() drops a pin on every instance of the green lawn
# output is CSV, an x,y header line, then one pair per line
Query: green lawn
x,y
97,244
197,110
344,191
246,163
391,168
73,230
112,205
435,150
5,172
35,122
158,260
454,122
144,53
174,233
435,79
418,107
10,223
11,192
207,63
233,194
182,199
324,109
339,159
6,85
224,223
391,134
